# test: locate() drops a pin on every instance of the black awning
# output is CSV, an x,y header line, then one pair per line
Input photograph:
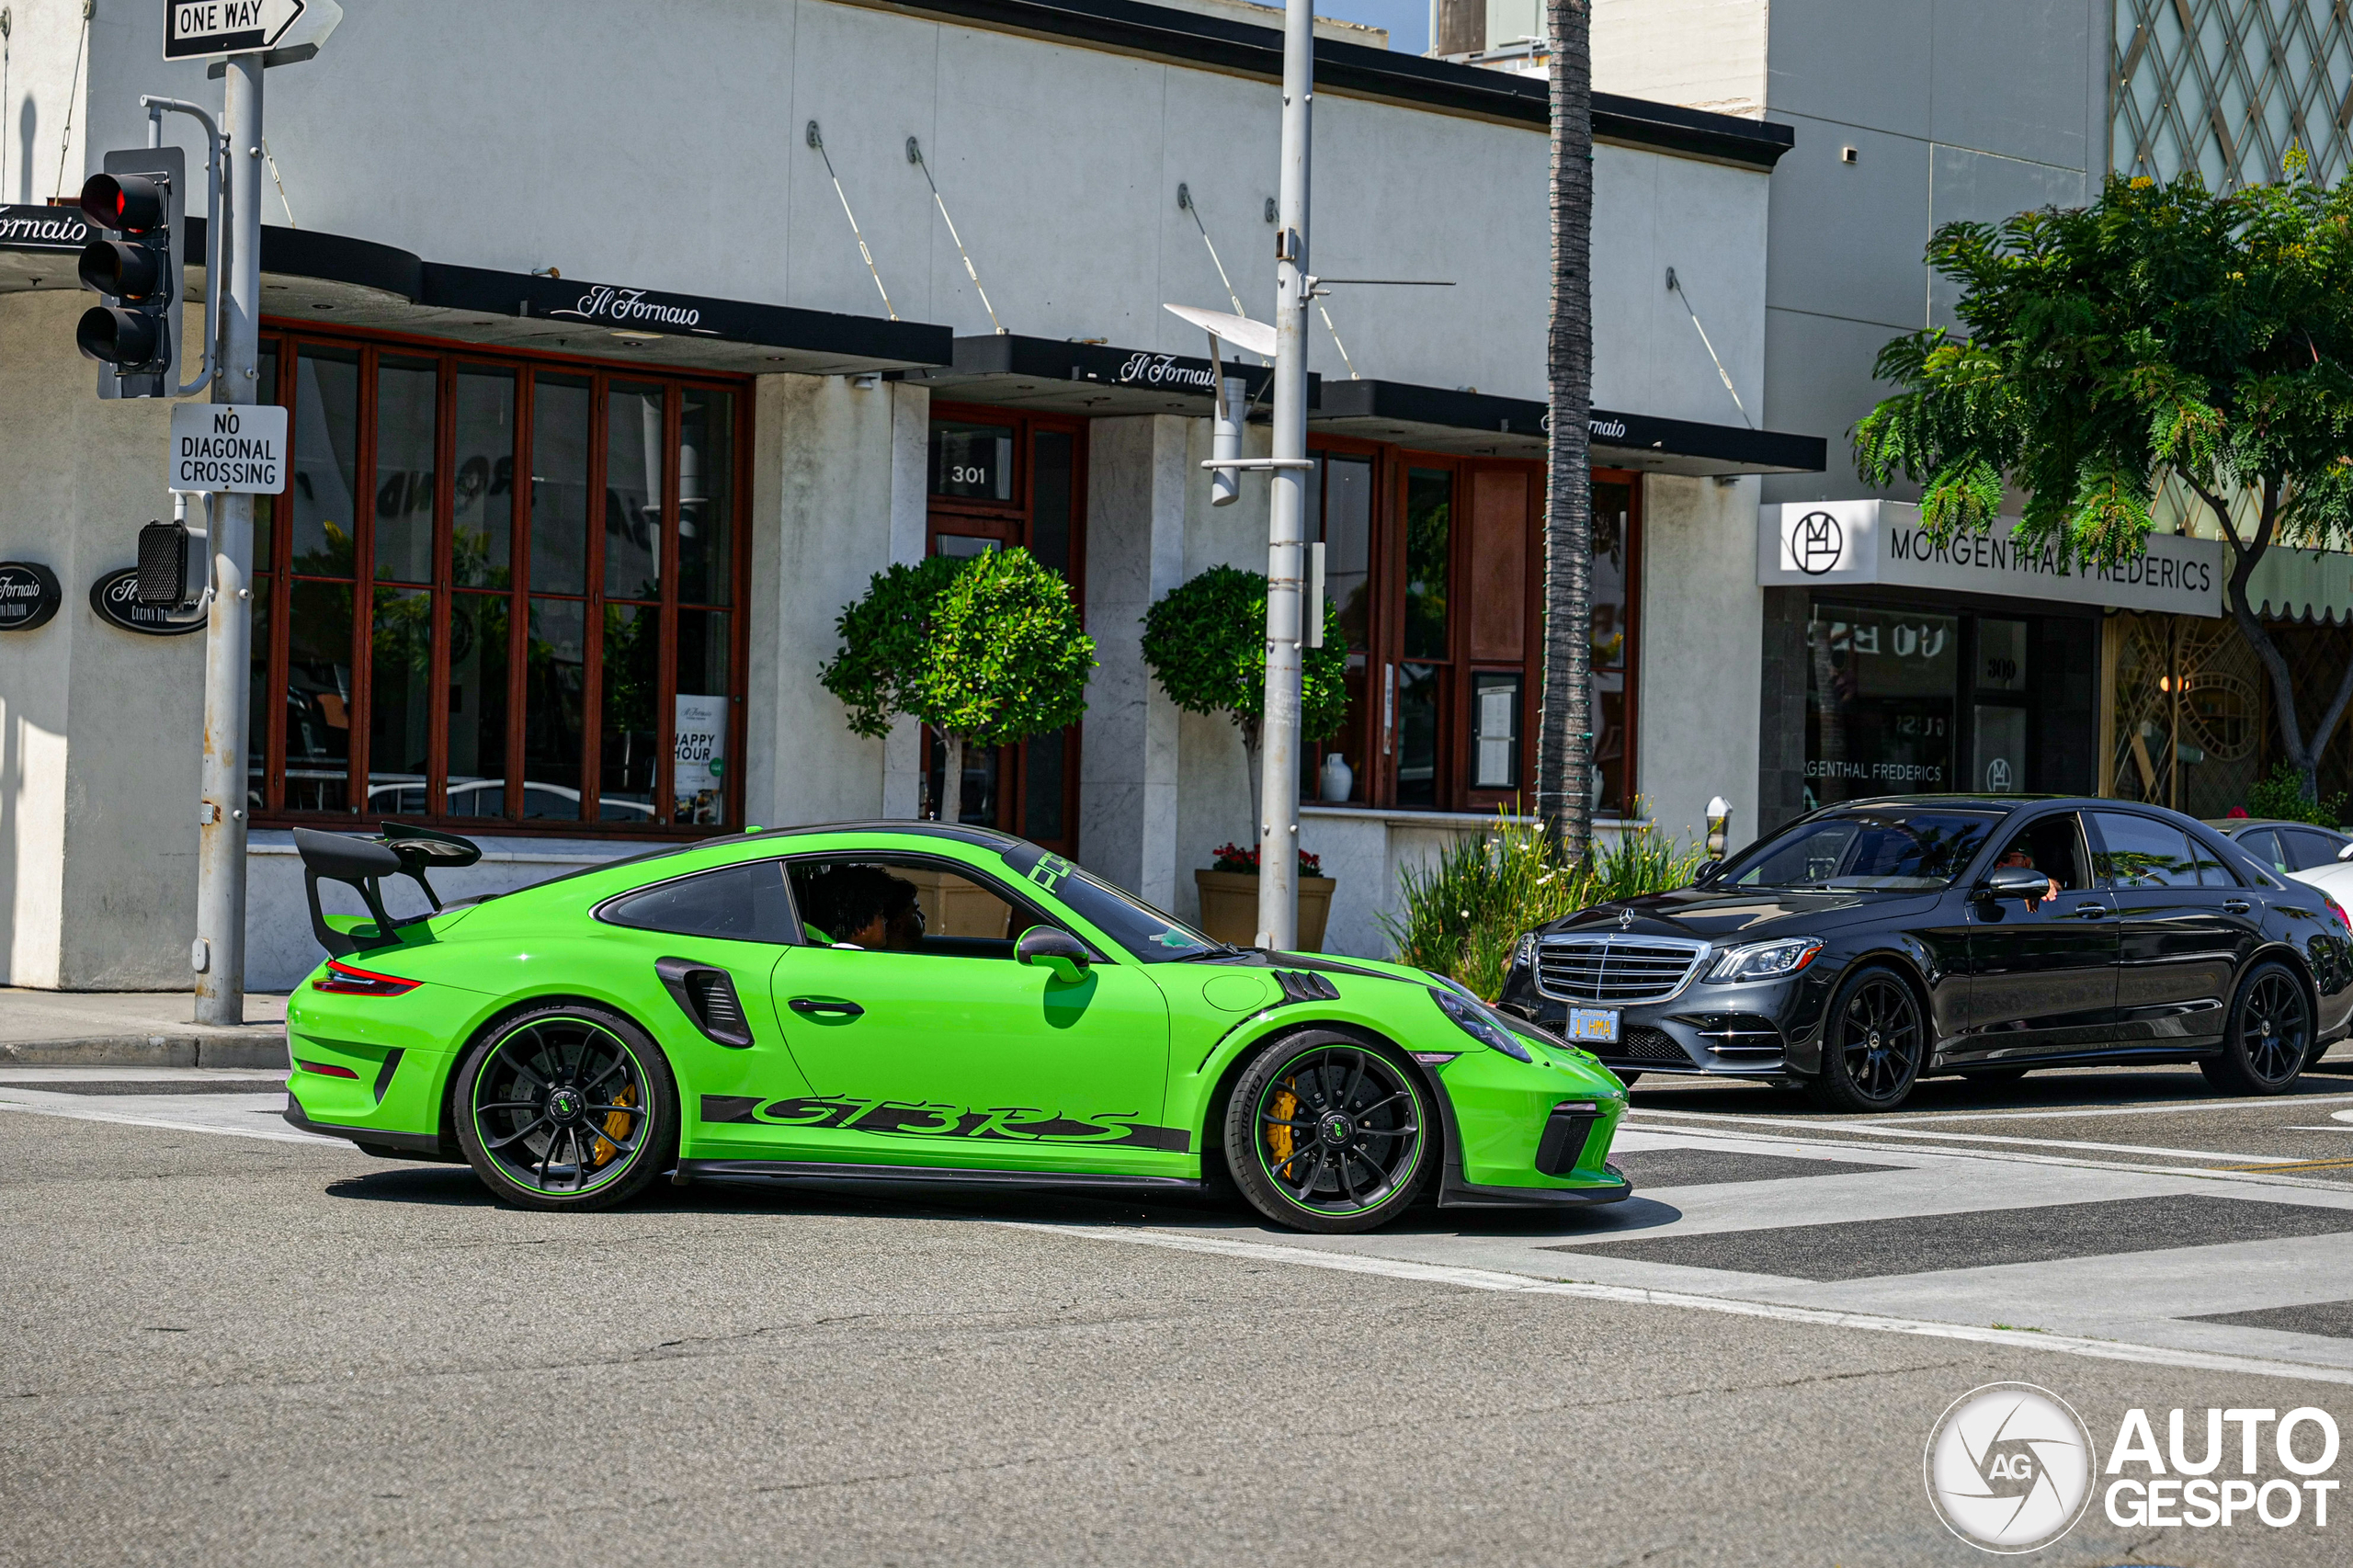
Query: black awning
x,y
352,282
1054,375
1477,425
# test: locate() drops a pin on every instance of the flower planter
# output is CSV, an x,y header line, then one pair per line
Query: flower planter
x,y
1230,907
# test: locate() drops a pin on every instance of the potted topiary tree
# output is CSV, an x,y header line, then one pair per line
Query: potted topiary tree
x,y
1205,643
986,649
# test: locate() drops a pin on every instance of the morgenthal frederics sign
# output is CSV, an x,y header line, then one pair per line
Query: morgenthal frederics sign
x,y
1855,543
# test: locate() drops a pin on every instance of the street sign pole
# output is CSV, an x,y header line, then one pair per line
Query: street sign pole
x,y
219,955
1279,738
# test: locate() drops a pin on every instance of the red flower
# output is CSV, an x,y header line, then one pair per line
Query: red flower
x,y
1234,857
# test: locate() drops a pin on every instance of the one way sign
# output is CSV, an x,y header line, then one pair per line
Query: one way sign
x,y
199,30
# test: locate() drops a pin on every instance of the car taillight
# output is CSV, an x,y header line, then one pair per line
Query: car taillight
x,y
326,1069
2339,910
346,980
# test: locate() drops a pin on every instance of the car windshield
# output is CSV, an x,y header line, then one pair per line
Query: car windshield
x,y
1897,850
1148,935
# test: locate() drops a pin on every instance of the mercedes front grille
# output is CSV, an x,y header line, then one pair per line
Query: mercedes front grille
x,y
1614,971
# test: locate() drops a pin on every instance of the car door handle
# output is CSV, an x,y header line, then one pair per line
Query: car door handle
x,y
814,1005
2237,906
2091,911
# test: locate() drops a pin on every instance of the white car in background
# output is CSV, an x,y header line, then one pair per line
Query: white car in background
x,y
2309,854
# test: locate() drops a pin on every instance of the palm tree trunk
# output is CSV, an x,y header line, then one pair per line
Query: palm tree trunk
x,y
1565,734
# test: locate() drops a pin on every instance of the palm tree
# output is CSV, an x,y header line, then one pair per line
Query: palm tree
x,y
1564,735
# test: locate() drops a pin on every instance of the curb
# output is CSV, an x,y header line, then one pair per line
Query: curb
x,y
225,1049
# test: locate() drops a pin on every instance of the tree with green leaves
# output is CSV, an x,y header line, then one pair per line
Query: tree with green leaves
x,y
987,649
2165,331
1205,642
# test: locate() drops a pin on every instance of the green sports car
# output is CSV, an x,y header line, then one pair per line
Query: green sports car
x,y
909,1002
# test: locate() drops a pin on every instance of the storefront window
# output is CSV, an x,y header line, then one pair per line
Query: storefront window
x,y
1611,645
1880,699
586,672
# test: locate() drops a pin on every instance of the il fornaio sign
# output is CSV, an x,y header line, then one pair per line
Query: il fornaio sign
x,y
636,308
1842,543
1146,369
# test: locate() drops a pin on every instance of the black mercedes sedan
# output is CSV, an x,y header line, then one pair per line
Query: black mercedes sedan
x,y
1874,942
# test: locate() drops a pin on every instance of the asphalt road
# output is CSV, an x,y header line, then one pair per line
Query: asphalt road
x,y
228,1344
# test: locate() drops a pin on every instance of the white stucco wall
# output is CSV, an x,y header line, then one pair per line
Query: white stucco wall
x,y
99,728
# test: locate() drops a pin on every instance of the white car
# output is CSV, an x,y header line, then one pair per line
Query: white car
x,y
2309,854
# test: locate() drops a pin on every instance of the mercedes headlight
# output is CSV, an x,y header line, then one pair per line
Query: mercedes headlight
x,y
1475,1020
1523,952
1766,960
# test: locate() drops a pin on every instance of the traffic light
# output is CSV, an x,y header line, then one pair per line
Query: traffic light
x,y
134,335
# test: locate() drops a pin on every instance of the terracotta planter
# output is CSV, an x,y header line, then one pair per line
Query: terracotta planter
x,y
1230,907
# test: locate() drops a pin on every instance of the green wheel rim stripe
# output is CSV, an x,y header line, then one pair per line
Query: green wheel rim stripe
x,y
1357,1124
550,1094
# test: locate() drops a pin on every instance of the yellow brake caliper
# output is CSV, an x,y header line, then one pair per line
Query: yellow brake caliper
x,y
1279,1139
615,1126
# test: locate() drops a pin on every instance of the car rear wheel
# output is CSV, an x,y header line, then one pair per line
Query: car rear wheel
x,y
1327,1133
2268,1036
566,1107
1874,1043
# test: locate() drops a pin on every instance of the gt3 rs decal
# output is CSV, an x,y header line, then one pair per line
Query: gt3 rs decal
x,y
1016,1124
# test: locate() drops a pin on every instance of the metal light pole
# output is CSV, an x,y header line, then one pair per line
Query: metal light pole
x,y
219,953
1278,759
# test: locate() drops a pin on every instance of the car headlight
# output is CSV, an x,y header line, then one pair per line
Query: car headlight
x,y
1472,1017
1523,952
1766,960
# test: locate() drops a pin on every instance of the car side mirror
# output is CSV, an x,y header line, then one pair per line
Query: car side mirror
x,y
1707,869
2016,881
2346,853
1058,951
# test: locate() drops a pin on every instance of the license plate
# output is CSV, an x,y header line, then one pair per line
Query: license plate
x,y
1593,1026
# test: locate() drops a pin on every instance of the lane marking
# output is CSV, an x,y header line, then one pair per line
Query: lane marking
x,y
2158,1107
1492,1280
1709,1136
268,1134
2292,1165
1876,1131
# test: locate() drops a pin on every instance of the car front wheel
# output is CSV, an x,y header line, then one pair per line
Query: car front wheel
x,y
566,1107
1327,1133
1874,1043
2268,1036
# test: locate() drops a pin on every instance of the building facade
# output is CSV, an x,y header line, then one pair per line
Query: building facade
x,y
1987,667
602,412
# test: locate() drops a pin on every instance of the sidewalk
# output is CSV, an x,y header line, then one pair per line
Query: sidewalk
x,y
134,1029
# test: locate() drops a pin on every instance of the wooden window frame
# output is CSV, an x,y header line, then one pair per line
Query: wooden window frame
x,y
1392,467
450,357
1010,524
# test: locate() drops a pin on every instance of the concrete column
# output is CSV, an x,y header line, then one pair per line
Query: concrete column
x,y
910,539
1135,552
1703,621
834,499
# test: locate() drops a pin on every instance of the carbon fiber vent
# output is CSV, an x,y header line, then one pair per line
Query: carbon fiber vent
x,y
707,997
1305,985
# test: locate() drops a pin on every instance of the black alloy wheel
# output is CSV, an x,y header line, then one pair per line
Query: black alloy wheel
x,y
1327,1133
566,1107
1874,1043
2268,1036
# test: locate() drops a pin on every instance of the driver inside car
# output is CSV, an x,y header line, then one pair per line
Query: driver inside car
x,y
864,906
2020,858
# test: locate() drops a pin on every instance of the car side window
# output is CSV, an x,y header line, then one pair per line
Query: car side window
x,y
2141,852
2309,847
2263,845
745,902
2053,845
2213,871
907,904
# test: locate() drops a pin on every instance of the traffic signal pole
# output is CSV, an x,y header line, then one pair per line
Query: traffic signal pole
x,y
219,955
1279,736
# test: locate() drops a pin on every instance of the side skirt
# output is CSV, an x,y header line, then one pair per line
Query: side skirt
x,y
927,1176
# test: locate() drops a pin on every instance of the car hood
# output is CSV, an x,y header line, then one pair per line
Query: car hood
x,y
1729,914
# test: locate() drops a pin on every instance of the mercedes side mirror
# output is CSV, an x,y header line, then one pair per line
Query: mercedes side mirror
x,y
1707,868
1058,951
2016,881
2346,853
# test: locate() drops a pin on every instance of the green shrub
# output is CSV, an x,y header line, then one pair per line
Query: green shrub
x,y
1465,910
2282,796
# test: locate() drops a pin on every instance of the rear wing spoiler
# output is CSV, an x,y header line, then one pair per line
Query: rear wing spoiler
x,y
362,864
